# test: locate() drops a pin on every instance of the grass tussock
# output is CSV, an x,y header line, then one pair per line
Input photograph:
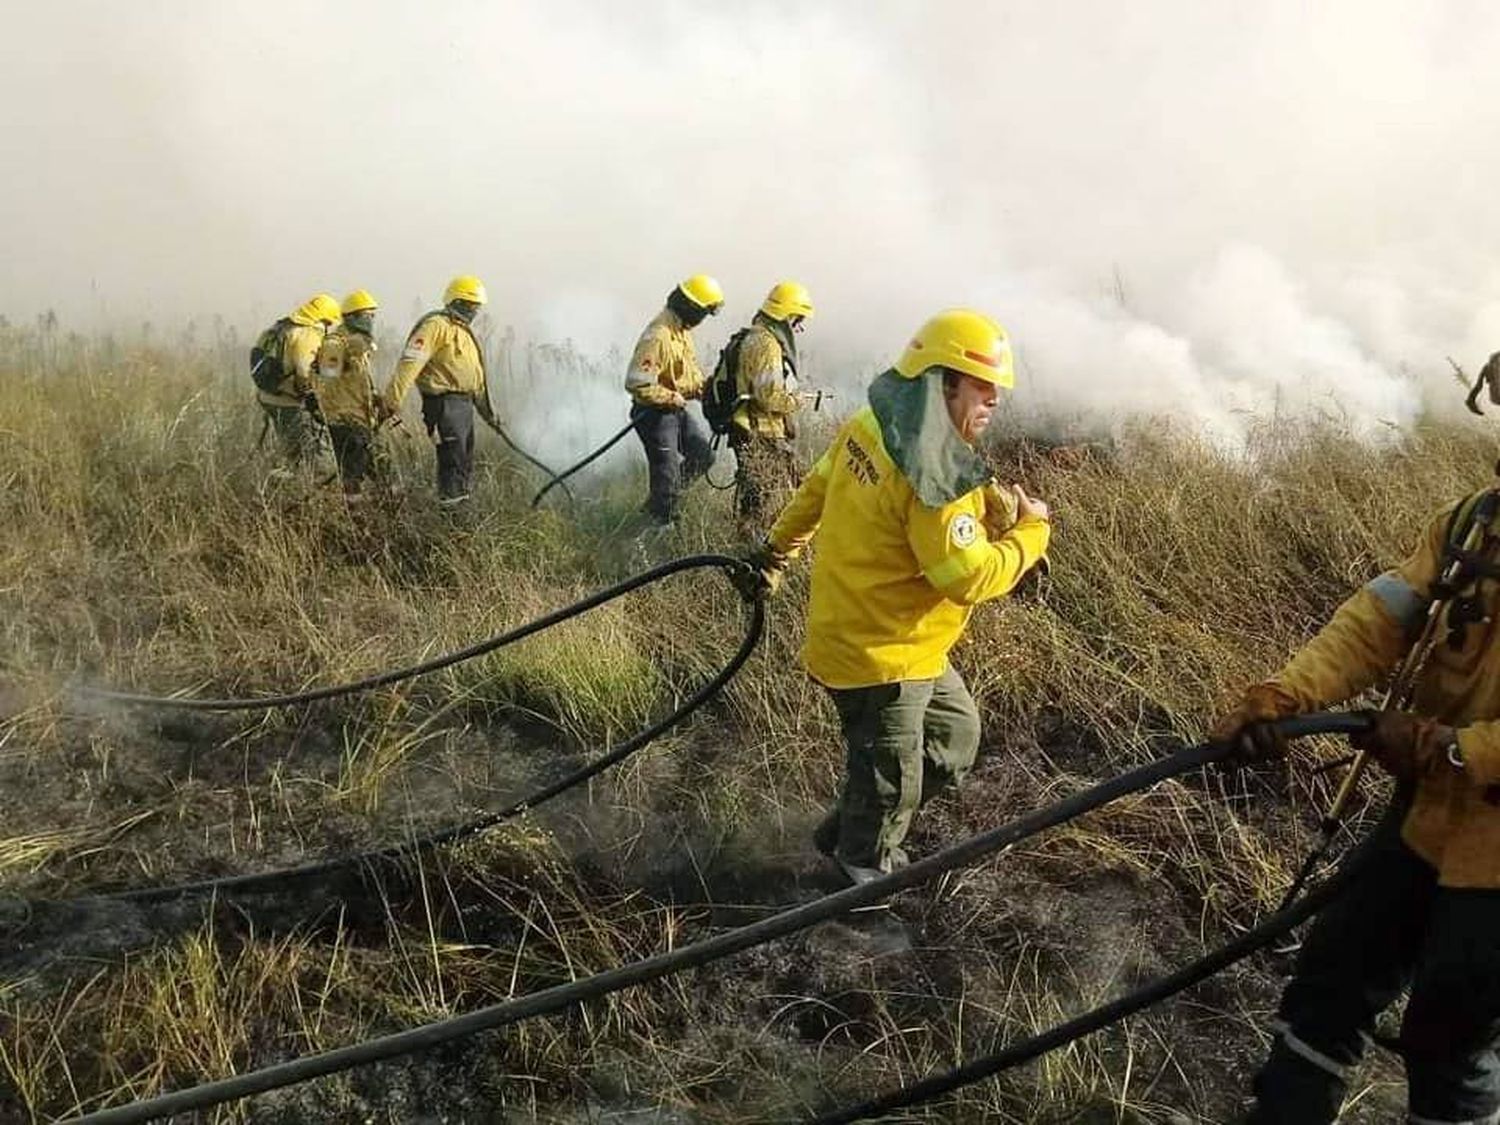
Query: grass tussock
x,y
151,548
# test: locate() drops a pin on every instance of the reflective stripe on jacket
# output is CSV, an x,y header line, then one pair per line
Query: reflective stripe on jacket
x,y
1454,821
761,374
441,356
664,363
346,385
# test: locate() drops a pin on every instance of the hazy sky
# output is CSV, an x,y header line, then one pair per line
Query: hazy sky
x,y
1199,206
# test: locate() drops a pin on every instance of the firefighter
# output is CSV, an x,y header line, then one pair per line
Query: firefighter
x,y
762,428
282,364
912,533
1425,914
663,375
444,360
346,389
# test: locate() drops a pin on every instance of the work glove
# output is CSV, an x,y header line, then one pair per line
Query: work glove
x,y
1407,745
761,574
1000,510
1248,727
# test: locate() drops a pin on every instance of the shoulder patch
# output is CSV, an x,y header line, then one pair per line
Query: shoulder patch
x,y
963,530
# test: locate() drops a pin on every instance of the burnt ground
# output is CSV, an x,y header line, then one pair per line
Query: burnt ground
x,y
766,1035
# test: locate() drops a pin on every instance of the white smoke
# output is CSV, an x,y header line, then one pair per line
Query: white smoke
x,y
1211,209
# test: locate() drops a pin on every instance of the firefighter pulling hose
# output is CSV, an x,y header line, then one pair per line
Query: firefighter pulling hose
x,y
1425,913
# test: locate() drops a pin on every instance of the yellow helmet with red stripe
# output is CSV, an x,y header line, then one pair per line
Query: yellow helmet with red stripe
x,y
960,340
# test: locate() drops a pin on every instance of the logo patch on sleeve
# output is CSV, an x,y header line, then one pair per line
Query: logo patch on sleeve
x,y
963,530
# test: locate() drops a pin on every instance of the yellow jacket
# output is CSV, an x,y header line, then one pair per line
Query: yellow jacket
x,y
1454,821
442,356
664,364
894,580
299,357
761,374
346,383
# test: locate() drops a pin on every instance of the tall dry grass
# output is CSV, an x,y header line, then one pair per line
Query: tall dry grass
x,y
149,547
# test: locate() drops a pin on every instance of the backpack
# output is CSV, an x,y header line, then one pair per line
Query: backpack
x,y
266,368
721,394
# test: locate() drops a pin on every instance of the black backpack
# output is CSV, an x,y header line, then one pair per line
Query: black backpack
x,y
721,395
266,368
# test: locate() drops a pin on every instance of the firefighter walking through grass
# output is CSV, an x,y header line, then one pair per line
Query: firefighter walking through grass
x,y
763,358
282,365
443,359
663,375
1426,914
346,390
913,533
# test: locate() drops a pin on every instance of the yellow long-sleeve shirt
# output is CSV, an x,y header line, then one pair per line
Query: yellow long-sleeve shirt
x,y
345,380
1454,821
299,354
761,374
894,581
664,364
442,356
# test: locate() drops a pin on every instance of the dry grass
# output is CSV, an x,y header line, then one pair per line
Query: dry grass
x,y
150,549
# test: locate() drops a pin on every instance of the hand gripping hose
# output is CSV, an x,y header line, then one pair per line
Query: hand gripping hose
x,y
1458,570
559,478
437,663
257,881
779,925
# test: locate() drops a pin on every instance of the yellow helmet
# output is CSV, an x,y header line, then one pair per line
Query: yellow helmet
x,y
786,300
703,291
361,300
321,308
961,340
465,287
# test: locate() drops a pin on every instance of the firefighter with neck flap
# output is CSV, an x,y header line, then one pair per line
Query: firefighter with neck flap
x,y
762,361
913,532
282,366
443,359
663,375
1425,915
346,390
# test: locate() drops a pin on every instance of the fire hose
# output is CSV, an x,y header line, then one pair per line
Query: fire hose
x,y
407,849
793,920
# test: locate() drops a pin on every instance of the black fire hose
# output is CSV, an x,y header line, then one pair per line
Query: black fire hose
x,y
521,453
779,925
410,848
559,478
437,663
1282,922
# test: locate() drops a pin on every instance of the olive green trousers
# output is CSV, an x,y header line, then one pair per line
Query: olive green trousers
x,y
904,742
